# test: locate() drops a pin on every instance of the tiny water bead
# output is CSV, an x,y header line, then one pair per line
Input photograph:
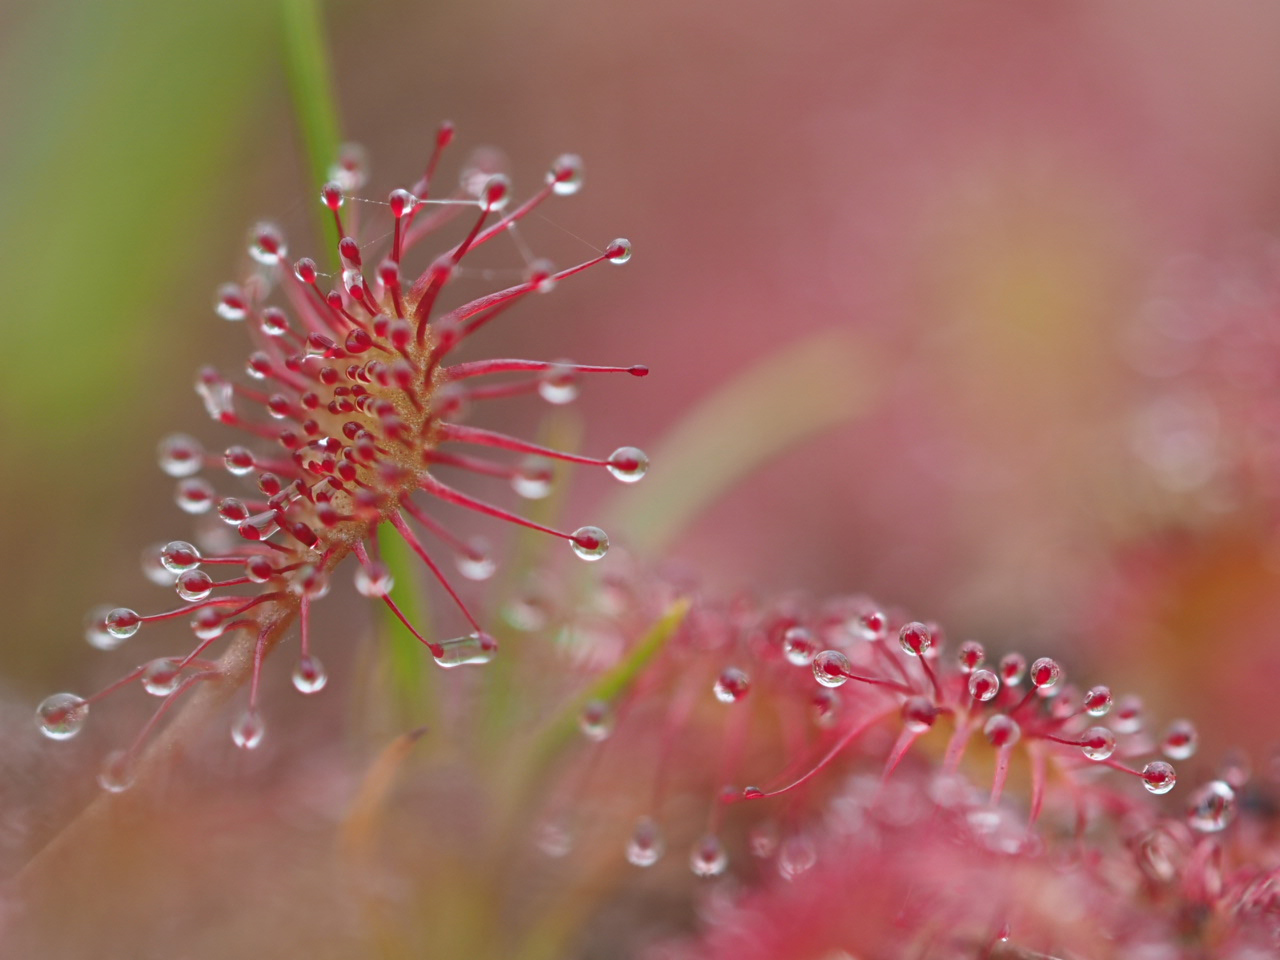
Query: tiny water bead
x,y
95,630
532,477
1212,807
918,714
161,677
248,730
915,639
239,461
231,303
1098,743
983,685
122,623
194,585
1128,715
645,848
1002,730
1159,777
732,685
178,556
1013,667
117,772
1045,673
596,720
266,244
473,648
559,383
194,496
1180,741
566,175
619,251
476,562
374,580
309,675
799,646
180,455
796,855
971,656
62,715
871,625
831,668
590,543
709,857
628,464
1097,702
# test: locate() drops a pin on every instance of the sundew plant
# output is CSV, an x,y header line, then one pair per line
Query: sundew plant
x,y
406,697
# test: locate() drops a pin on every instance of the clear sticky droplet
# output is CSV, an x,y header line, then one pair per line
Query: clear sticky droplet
x,y
309,675
709,857
473,648
208,623
477,562
266,244
153,567
232,511
824,708
374,580
496,193
1127,717
628,464
541,275
178,556
194,585
1013,667
831,668
231,303
732,685
1002,730
122,623
972,656
918,714
983,685
180,455
566,175
596,721
533,477
645,848
161,677
619,251
1212,807
117,772
1045,673
239,461
1098,743
1180,741
915,639
590,543
797,855
194,496
62,715
96,633
799,646
248,730
1097,702
351,170
558,384
1159,777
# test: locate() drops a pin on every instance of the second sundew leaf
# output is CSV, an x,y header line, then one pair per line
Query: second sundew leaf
x,y
813,385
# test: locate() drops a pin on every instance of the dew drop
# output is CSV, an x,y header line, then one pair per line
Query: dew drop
x,y
248,730
1158,777
1181,741
95,629
208,623
1045,673
872,626
619,251
117,772
918,714
796,856
194,496
762,839
799,646
180,455
374,580
194,585
1097,702
1128,715
1212,808
496,194
532,477
259,569
1002,730
1013,666
351,170
541,275
983,685
596,721
590,543
831,668
231,303
972,656
708,858
752,793
915,639
824,707
401,201
558,384
646,846
178,556
566,174
161,677
309,675
628,464
1098,743
153,567
473,648
732,685
477,562
62,715
274,323
122,623
239,461
232,511
266,244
